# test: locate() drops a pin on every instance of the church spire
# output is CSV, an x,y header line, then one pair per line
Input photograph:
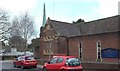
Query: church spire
x,y
44,16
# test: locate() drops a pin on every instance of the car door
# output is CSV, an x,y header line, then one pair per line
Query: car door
x,y
60,62
51,65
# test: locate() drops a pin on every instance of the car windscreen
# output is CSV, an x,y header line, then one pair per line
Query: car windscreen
x,y
73,62
29,58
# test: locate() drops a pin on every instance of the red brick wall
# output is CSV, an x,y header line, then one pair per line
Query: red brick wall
x,y
99,67
46,44
119,44
73,46
62,42
109,40
58,45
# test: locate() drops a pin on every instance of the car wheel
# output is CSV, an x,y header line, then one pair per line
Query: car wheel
x,y
44,69
14,65
34,66
62,70
22,67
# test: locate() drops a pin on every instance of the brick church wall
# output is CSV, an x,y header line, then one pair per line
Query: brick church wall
x,y
89,52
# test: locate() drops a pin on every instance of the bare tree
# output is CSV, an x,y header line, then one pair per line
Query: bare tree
x,y
24,27
4,25
27,26
14,31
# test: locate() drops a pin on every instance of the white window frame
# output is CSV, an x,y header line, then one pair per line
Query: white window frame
x,y
97,48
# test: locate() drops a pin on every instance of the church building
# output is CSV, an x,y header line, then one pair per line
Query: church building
x,y
95,43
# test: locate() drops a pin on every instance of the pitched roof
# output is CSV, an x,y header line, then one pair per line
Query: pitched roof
x,y
65,29
99,26
104,25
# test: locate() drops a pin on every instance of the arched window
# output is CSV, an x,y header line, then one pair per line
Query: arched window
x,y
98,51
80,50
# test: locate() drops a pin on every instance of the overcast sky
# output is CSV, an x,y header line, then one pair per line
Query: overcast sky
x,y
62,10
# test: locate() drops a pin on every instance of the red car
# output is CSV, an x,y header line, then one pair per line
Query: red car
x,y
63,63
25,61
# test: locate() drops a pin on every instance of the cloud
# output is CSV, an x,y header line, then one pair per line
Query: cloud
x,y
119,7
17,6
69,1
108,7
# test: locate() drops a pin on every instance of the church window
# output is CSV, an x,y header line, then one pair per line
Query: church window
x,y
98,51
80,50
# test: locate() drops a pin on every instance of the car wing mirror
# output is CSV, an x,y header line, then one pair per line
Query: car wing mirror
x,y
66,64
16,59
48,62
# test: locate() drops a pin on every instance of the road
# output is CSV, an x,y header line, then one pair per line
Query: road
x,y
8,66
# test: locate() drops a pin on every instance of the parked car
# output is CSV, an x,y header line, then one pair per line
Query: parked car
x,y
24,61
63,63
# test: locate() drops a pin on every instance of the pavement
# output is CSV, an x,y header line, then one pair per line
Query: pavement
x,y
40,66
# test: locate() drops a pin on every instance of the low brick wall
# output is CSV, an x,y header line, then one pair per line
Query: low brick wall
x,y
8,57
100,66
101,70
